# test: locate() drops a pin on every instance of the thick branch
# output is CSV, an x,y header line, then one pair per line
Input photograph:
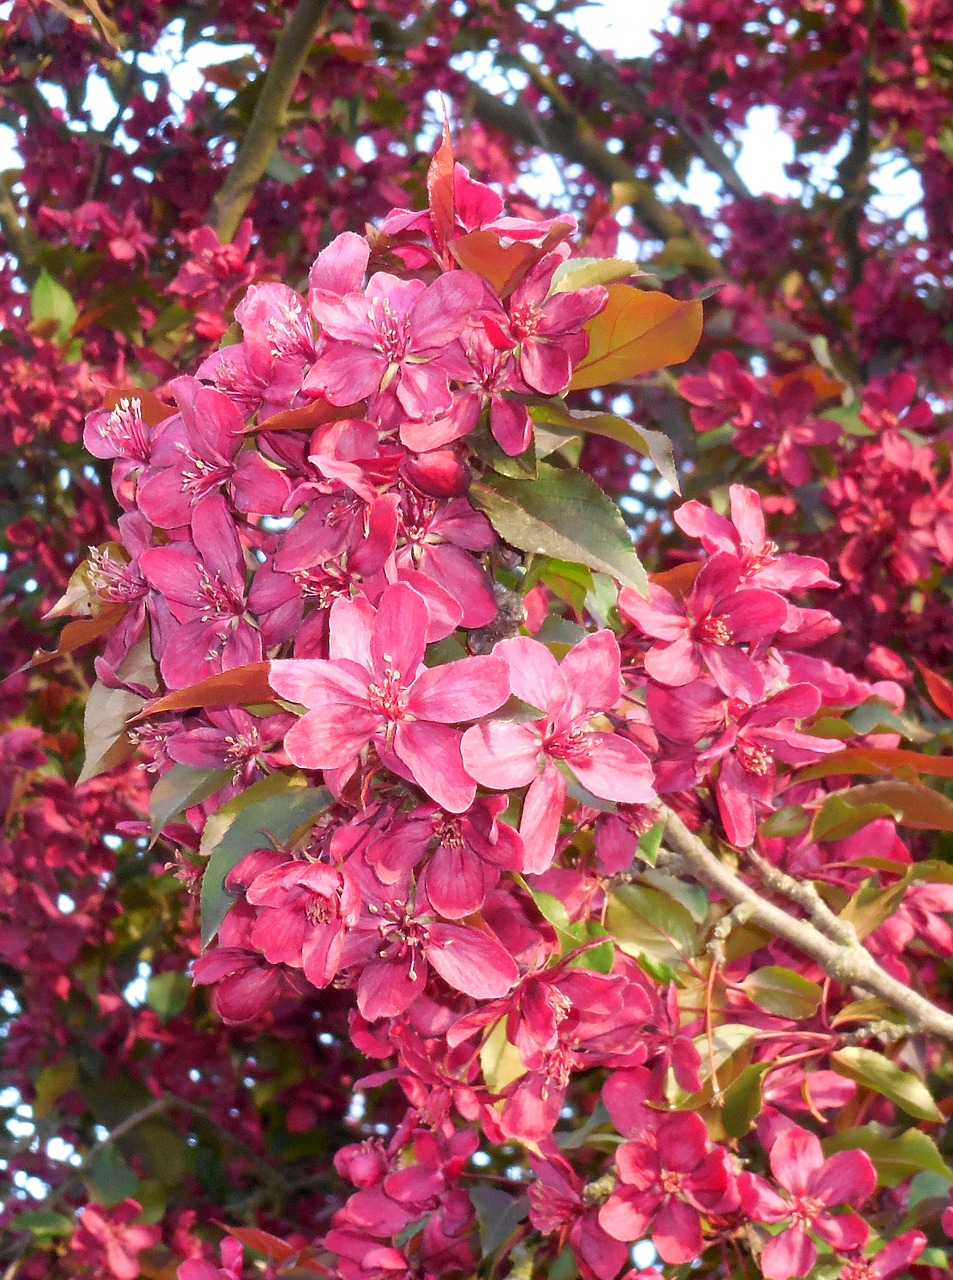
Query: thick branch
x,y
847,962
268,119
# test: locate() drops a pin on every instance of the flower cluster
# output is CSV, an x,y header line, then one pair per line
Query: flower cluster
x,y
318,612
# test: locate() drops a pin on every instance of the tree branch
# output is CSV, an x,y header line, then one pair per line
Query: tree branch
x,y
21,241
847,962
268,119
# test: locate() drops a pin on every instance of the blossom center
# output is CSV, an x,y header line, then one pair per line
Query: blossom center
x,y
392,334
755,758
319,909
388,695
671,1181
806,1211
216,600
126,431
449,835
857,1269
524,322
755,561
569,744
713,631
114,579
206,475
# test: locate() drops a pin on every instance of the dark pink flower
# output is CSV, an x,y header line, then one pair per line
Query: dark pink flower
x,y
668,1180
109,1241
893,1259
375,688
547,328
392,339
745,536
230,1252
503,754
812,1186
203,583
557,1203
704,631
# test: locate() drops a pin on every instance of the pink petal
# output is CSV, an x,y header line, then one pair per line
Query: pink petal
x,y
326,739
674,664
340,268
351,626
432,754
444,308
317,683
591,672
614,769
400,632
539,822
501,754
385,989
471,962
795,1157
788,1256
848,1177
535,677
676,1233
460,690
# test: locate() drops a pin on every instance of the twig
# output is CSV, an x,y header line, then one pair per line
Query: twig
x,y
848,963
268,119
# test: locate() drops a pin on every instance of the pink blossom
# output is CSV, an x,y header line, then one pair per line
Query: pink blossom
x,y
812,1185
558,1203
745,536
504,754
392,340
704,631
668,1180
109,1241
375,688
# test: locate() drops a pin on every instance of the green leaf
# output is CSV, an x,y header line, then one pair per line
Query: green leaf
x,y
50,301
650,843
567,581
563,514
500,1060
271,810
168,994
742,1100
783,992
648,444
580,273
789,820
876,1072
647,922
895,1159
112,1178
840,817
43,1223
108,711
522,467
178,789
498,1215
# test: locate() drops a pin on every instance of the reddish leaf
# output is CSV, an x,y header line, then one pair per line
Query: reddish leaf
x,y
240,686
79,632
307,417
824,386
440,187
153,410
503,267
680,580
637,332
881,760
263,1242
939,689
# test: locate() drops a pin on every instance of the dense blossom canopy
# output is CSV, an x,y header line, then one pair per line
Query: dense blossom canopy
x,y
482,863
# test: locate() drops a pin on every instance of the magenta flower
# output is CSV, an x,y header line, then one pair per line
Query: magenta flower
x,y
812,1185
703,632
303,911
889,1263
204,585
748,749
231,1254
112,1239
745,536
557,1203
668,1180
375,688
200,453
548,328
502,754
392,338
